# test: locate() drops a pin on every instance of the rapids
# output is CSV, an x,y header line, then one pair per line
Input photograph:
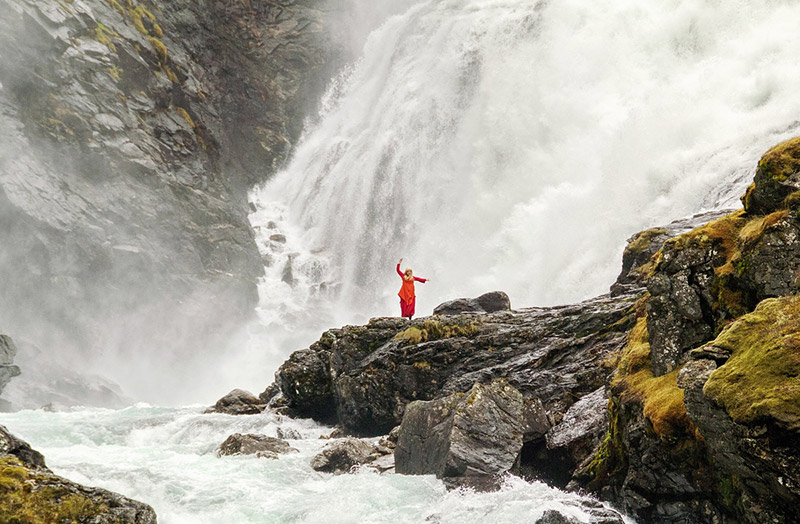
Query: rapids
x,y
167,458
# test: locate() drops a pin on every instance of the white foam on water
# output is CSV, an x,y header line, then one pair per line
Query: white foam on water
x,y
167,458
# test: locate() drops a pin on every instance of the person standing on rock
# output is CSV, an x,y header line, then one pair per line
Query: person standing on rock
x,y
408,298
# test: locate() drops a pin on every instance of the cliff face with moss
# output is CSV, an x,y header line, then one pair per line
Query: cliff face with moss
x,y
676,397
130,132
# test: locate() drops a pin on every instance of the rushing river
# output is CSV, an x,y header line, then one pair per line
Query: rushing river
x,y
167,458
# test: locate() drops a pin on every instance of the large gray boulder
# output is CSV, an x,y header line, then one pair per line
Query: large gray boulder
x,y
253,444
238,402
477,434
487,303
341,455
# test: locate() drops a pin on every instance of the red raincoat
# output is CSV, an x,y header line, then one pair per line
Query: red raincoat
x,y
408,298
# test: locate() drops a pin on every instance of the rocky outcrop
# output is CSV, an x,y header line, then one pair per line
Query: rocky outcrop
x,y
252,444
130,134
7,368
477,434
364,376
238,402
597,515
342,455
486,303
31,493
703,411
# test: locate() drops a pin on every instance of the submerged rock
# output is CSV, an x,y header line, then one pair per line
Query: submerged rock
x,y
341,455
250,444
238,402
487,303
477,434
28,488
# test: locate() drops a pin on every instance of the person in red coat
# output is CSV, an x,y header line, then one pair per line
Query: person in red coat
x,y
407,297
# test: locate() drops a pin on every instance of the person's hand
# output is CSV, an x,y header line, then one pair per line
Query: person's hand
x,y
401,261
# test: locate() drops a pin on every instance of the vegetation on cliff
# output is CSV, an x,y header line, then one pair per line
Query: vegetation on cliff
x,y
759,383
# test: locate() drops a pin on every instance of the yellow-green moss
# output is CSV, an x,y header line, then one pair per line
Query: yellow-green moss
x,y
435,330
421,365
761,380
31,498
780,162
610,456
642,240
160,49
104,35
660,397
792,201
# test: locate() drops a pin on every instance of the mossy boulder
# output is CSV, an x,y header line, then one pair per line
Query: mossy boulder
x,y
777,176
31,494
759,383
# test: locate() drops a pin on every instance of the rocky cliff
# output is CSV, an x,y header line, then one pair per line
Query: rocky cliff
x,y
676,397
129,134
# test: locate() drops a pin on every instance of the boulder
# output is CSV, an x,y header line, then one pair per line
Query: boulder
x,y
581,429
305,382
477,434
341,455
238,402
11,445
250,444
487,303
777,177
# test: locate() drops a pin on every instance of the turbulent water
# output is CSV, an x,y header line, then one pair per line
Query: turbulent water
x,y
495,144
167,457
515,145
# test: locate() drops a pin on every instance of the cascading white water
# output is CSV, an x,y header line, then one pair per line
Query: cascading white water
x,y
514,145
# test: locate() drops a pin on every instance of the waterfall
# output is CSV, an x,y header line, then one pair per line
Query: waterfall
x,y
515,145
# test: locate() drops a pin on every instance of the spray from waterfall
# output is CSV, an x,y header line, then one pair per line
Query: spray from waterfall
x,y
514,145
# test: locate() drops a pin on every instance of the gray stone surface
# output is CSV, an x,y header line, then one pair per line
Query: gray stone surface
x,y
477,434
252,444
238,402
487,303
341,455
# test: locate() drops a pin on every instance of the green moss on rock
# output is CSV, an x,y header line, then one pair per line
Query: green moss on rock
x,y
435,330
759,383
776,171
29,497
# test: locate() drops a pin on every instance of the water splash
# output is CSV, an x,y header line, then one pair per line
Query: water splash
x,y
515,145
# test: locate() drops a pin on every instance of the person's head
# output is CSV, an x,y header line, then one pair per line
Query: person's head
x,y
409,273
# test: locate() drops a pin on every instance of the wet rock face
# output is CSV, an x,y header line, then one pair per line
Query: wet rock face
x,y
364,376
54,498
477,434
130,133
7,368
770,267
11,445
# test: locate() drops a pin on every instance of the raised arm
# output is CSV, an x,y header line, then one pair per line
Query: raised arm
x,y
398,268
